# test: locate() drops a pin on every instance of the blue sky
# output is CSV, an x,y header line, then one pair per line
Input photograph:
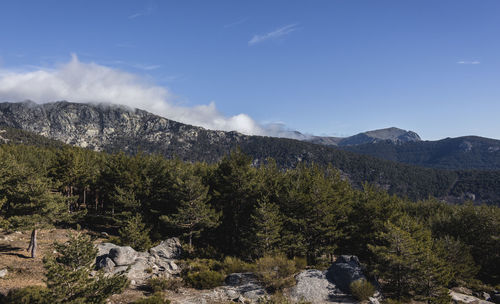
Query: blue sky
x,y
321,67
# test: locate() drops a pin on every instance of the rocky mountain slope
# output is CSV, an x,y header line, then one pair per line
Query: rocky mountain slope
x,y
392,135
114,128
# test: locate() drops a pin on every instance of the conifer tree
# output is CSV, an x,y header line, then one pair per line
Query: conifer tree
x,y
68,274
397,258
135,234
194,214
267,223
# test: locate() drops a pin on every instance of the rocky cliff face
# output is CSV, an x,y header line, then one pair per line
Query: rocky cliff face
x,y
111,128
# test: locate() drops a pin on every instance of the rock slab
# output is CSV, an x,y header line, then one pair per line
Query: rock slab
x,y
168,249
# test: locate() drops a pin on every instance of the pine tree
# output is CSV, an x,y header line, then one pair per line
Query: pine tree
x,y
408,262
68,274
397,258
194,214
135,234
267,223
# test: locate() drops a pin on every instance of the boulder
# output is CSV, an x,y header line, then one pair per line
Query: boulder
x,y
104,248
463,298
168,249
344,271
105,263
313,286
123,255
238,279
3,273
240,286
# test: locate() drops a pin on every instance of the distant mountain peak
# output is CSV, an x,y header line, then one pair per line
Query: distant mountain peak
x,y
392,134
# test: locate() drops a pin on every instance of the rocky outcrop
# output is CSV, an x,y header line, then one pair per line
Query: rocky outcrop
x,y
168,249
140,266
122,256
243,286
344,271
313,286
457,297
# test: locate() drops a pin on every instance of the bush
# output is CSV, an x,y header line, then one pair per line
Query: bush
x,y
275,272
203,273
300,263
205,279
362,289
156,298
161,284
278,298
202,265
233,265
28,295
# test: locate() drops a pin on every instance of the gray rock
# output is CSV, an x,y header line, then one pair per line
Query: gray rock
x,y
463,298
3,273
373,300
105,263
124,255
168,249
104,248
244,285
344,271
238,279
138,271
313,286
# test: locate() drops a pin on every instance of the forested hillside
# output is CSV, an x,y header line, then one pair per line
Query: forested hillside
x,y
469,152
113,128
232,208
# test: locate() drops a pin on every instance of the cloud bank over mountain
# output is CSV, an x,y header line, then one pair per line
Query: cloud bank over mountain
x,y
82,82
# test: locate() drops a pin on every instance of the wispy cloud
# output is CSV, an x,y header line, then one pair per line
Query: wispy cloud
x,y
145,12
468,62
241,21
276,34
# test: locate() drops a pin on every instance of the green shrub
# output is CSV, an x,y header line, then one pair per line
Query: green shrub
x,y
205,279
233,265
300,263
203,273
362,289
156,298
161,284
278,298
202,265
275,272
28,295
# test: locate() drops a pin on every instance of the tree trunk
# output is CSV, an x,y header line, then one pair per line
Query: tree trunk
x,y
32,246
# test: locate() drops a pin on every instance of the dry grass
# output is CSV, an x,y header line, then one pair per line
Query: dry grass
x,y
23,270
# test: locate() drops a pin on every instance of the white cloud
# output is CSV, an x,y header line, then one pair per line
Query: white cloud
x,y
145,12
278,33
77,81
468,62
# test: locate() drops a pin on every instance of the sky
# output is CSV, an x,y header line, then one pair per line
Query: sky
x,y
329,68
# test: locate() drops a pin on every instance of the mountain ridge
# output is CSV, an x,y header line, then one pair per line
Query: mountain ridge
x,y
114,128
392,134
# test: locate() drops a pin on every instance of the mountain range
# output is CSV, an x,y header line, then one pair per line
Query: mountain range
x,y
113,128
